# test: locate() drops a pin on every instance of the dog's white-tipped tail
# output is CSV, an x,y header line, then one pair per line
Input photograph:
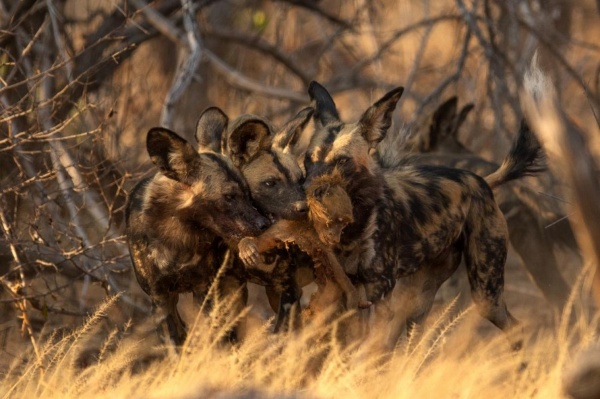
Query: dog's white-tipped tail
x,y
540,105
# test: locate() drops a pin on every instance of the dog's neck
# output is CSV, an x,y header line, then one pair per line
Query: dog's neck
x,y
364,189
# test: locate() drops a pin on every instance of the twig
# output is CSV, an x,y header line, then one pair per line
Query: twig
x,y
16,289
497,60
158,21
261,45
310,5
444,83
554,196
421,50
60,44
235,78
186,69
359,66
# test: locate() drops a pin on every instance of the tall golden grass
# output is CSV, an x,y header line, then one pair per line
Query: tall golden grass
x,y
449,358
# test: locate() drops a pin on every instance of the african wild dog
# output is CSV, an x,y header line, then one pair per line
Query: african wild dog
x,y
415,219
329,211
530,217
181,221
268,160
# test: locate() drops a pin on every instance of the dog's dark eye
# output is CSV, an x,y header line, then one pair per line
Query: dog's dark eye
x,y
270,182
342,160
229,197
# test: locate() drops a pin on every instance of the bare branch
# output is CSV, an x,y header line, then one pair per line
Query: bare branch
x,y
310,5
235,78
185,70
447,81
259,44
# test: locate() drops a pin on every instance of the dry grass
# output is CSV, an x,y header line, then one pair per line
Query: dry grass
x,y
448,359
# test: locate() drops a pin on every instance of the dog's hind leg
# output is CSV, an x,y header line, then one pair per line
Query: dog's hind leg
x,y
289,308
485,258
165,308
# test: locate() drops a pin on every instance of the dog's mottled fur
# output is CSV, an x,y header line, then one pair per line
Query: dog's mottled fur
x,y
530,216
330,210
268,160
181,221
414,219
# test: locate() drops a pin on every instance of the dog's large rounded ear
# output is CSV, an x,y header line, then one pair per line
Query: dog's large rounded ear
x,y
377,119
442,123
172,154
325,110
288,137
462,116
249,136
210,129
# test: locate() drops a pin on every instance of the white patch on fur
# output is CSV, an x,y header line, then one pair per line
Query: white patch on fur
x,y
536,83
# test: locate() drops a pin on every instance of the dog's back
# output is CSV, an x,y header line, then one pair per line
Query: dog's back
x,y
532,217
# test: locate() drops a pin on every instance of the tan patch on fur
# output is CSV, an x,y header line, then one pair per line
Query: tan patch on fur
x,y
290,163
260,168
352,144
187,196
178,163
316,154
160,189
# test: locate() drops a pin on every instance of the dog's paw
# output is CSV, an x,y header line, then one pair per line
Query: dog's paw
x,y
248,252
